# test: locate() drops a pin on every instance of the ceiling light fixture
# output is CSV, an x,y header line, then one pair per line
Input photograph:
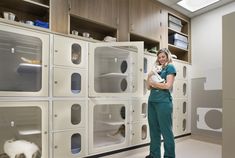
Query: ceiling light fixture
x,y
194,5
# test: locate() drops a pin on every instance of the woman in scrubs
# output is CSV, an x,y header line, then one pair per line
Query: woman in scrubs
x,y
160,107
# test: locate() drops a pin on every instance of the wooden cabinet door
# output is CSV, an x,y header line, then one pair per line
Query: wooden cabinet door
x,y
145,18
101,11
59,16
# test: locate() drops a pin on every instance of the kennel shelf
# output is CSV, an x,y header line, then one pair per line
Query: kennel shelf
x,y
29,130
112,123
109,75
30,68
106,139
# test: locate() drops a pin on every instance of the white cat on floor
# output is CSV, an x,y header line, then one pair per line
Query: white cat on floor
x,y
15,149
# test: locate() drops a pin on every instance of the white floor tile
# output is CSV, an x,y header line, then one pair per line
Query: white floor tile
x,y
188,148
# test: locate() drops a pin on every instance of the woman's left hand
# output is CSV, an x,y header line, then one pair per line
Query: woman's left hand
x,y
152,83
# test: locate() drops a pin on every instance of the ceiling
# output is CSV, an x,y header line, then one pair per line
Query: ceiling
x,y
173,4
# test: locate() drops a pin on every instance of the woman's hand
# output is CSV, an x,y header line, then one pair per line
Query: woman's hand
x,y
148,80
151,73
152,83
167,85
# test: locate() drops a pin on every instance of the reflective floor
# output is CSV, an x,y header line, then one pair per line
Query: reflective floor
x,y
187,148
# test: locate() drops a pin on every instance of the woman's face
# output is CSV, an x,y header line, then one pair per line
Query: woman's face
x,y
162,58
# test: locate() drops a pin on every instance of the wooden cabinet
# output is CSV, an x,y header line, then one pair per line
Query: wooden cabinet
x,y
59,16
100,11
179,37
98,18
145,18
27,10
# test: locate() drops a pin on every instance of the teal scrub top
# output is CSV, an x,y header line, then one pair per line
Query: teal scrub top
x,y
163,95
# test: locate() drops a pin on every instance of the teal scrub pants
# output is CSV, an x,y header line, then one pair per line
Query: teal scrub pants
x,y
160,122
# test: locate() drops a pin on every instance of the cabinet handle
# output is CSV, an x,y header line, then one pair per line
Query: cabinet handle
x,y
117,21
69,4
132,27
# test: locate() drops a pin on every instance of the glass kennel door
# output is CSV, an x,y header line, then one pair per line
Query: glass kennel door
x,y
24,126
115,69
23,62
108,125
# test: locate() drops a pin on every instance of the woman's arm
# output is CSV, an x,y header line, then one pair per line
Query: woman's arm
x,y
168,85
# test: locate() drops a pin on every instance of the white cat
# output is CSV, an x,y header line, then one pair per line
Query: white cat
x,y
156,77
17,148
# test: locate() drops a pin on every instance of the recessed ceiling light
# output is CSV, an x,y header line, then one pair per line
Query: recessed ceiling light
x,y
194,5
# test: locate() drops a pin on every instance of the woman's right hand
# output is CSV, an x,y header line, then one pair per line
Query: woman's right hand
x,y
151,73
148,80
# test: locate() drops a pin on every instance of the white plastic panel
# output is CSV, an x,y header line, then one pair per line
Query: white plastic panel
x,y
149,61
180,116
180,125
139,109
25,121
175,115
207,117
23,62
180,89
69,114
69,82
70,144
140,133
70,52
108,125
181,70
115,69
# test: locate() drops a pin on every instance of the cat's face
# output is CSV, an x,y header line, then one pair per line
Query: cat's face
x,y
75,56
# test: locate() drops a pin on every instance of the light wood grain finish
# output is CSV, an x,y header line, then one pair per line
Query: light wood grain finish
x,y
102,11
145,18
59,16
123,27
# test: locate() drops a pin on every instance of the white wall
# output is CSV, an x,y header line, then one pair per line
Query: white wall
x,y
207,46
206,89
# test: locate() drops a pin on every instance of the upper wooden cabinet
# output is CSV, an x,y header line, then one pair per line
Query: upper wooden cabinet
x,y
179,37
145,18
30,12
59,16
101,11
